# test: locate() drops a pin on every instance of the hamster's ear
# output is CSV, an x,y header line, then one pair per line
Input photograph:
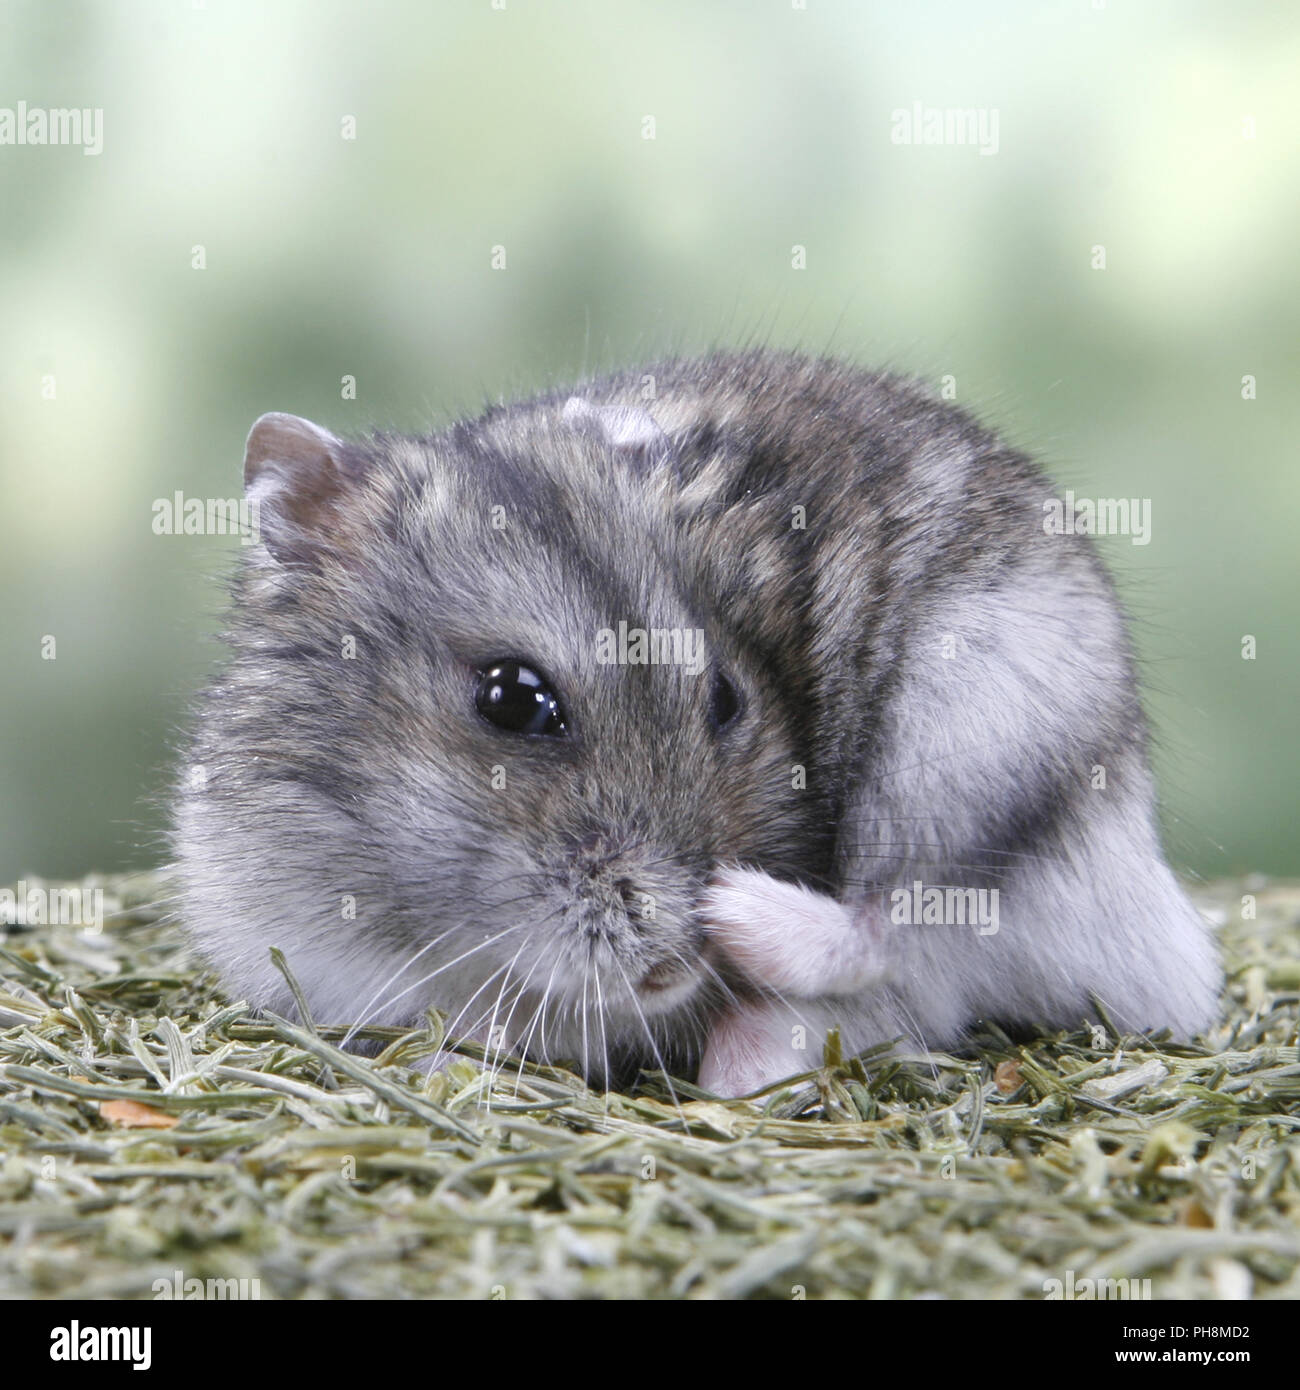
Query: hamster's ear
x,y
629,431
296,475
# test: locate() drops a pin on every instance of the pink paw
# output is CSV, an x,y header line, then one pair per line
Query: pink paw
x,y
789,939
751,1046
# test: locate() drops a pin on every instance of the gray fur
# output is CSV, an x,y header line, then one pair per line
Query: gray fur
x,y
946,674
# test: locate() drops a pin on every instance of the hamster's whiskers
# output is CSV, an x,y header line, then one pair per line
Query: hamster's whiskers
x,y
586,979
540,1014
497,1043
424,979
594,966
521,1050
454,1028
519,994
650,1038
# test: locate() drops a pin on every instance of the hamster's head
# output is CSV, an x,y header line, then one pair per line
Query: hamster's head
x,y
482,739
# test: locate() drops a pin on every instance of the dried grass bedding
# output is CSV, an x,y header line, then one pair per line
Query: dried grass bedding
x,y
149,1127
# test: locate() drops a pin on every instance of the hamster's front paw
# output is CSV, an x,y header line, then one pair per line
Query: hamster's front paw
x,y
789,939
750,1046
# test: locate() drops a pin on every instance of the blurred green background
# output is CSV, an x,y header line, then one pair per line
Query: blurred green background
x,y
1165,132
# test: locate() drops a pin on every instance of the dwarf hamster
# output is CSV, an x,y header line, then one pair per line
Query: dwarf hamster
x,y
675,718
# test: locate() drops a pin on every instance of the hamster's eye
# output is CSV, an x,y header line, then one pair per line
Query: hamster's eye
x,y
724,702
514,697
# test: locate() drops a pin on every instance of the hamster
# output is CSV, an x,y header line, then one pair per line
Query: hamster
x,y
674,719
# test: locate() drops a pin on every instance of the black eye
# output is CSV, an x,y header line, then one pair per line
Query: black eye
x,y
514,697
724,703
